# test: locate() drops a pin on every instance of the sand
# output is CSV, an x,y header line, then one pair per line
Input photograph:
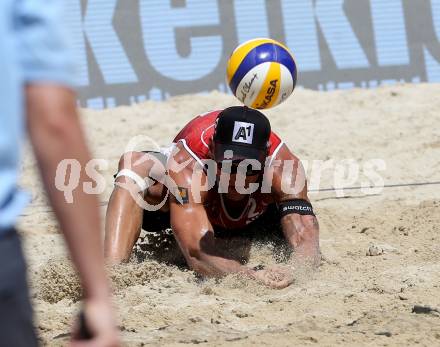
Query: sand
x,y
381,249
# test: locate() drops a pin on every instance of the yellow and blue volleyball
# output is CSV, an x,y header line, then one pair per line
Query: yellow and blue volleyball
x,y
261,73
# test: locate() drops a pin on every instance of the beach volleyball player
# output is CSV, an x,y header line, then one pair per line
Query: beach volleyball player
x,y
227,171
200,218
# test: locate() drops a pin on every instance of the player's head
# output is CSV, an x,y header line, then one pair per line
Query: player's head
x,y
242,132
241,136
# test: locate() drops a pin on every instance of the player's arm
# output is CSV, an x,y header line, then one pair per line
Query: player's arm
x,y
191,225
56,134
300,225
47,70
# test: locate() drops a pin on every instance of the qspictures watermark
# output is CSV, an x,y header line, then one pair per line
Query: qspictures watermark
x,y
366,174
207,174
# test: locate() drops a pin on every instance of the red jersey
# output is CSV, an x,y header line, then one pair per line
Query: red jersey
x,y
195,138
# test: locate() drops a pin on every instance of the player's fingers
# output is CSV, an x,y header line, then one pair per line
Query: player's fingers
x,y
282,284
276,283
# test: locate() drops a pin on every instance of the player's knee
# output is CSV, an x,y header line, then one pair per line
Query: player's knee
x,y
133,166
129,159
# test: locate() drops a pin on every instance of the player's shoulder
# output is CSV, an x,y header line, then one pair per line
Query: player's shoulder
x,y
180,160
211,113
283,152
187,173
275,143
197,124
183,161
207,118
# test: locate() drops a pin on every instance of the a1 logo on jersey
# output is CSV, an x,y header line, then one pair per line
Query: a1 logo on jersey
x,y
243,132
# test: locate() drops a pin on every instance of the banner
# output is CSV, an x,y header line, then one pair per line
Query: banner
x,y
132,50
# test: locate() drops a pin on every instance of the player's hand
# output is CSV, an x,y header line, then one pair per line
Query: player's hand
x,y
99,320
276,277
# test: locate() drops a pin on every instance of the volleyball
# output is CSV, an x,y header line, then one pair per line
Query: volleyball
x,y
261,73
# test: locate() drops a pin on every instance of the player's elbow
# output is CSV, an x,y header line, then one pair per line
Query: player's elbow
x,y
197,253
56,123
194,260
194,252
194,265
51,112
